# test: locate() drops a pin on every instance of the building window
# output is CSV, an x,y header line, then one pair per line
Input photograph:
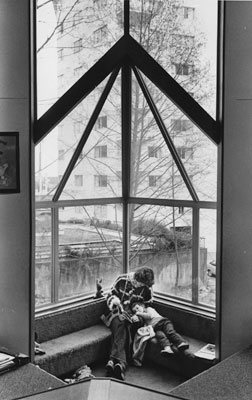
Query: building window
x,y
60,54
78,180
153,152
100,151
61,154
139,17
184,41
100,34
100,212
100,4
77,128
181,210
60,81
77,46
183,69
102,122
153,180
188,12
101,180
185,152
119,147
181,125
78,71
77,18
181,152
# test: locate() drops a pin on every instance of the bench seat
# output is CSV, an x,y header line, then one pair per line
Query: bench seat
x,y
179,363
67,353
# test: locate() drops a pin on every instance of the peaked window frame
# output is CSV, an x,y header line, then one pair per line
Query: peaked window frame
x,y
130,57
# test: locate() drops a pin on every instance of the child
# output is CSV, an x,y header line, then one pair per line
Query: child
x,y
169,340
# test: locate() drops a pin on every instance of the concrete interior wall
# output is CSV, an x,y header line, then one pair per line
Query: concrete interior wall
x,y
15,209
235,288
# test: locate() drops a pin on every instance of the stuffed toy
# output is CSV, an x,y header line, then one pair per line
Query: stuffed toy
x,y
114,304
99,291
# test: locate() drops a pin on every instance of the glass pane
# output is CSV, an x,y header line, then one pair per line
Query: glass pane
x,y
197,152
97,172
90,248
161,238
54,152
43,257
154,173
207,292
71,36
182,38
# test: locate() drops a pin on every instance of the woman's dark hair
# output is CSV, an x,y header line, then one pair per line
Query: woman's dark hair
x,y
144,275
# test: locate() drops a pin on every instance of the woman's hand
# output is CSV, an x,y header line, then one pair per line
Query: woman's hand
x,y
135,318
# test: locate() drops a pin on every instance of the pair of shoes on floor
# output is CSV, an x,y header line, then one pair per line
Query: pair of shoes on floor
x,y
115,370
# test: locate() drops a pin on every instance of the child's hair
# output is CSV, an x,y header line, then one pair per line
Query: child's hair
x,y
136,300
144,275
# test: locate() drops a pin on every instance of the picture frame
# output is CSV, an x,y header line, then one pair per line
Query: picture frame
x,y
9,162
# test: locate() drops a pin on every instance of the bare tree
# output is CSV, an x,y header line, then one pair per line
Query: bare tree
x,y
177,45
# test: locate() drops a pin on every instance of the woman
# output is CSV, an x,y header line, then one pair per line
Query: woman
x,y
138,283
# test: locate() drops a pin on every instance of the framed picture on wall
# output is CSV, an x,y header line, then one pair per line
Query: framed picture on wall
x,y
9,162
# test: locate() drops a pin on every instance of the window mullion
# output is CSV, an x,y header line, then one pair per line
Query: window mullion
x,y
195,256
126,17
55,256
126,140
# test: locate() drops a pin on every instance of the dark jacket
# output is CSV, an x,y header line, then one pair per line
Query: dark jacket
x,y
124,288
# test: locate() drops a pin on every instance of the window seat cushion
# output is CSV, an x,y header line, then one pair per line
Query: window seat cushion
x,y
178,362
67,353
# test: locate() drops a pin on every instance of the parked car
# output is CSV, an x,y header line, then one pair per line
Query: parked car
x,y
211,268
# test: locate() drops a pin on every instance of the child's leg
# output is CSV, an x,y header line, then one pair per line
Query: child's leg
x,y
163,342
162,339
168,329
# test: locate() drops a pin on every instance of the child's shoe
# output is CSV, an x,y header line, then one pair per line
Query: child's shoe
x,y
166,350
183,346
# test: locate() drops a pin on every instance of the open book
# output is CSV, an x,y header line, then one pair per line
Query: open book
x,y
6,361
207,352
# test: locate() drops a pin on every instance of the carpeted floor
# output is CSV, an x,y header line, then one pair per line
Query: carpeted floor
x,y
149,376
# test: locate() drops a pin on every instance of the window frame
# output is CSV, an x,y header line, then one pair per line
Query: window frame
x,y
195,205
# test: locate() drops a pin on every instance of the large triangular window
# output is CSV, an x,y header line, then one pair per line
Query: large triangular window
x,y
126,153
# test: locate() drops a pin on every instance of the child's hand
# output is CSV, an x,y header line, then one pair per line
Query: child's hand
x,y
135,318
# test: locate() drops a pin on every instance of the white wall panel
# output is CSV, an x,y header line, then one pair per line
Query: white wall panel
x,y
235,288
15,214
